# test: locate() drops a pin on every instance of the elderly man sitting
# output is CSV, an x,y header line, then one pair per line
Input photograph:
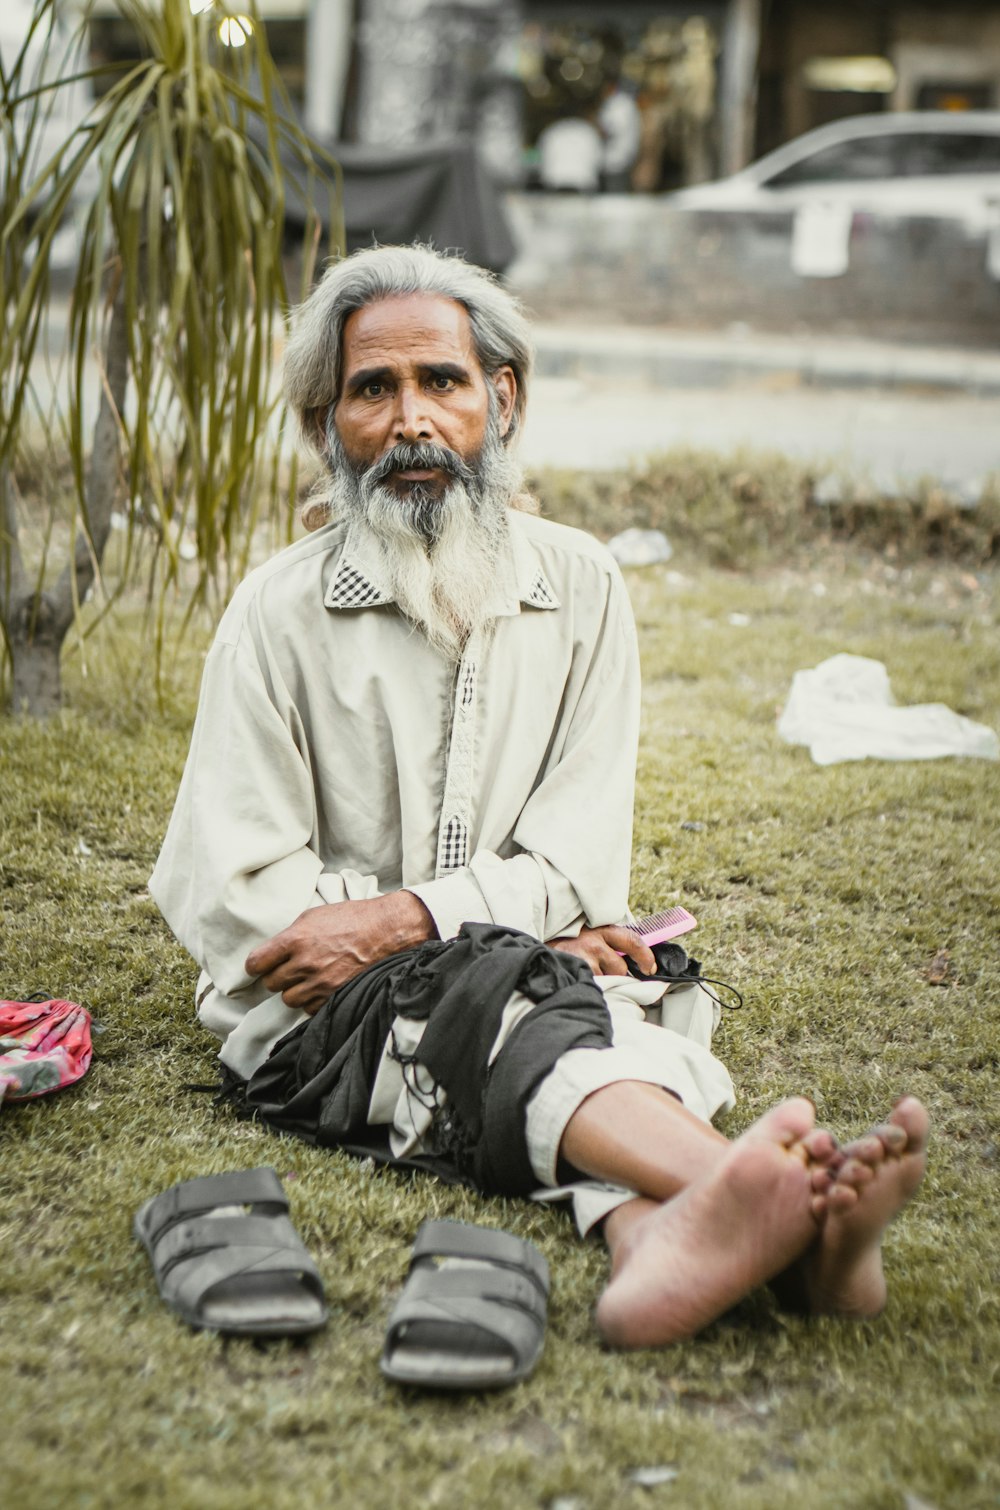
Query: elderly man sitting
x,y
412,769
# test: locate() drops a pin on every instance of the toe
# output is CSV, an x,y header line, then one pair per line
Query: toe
x,y
840,1199
787,1123
854,1172
821,1146
911,1115
869,1150
891,1136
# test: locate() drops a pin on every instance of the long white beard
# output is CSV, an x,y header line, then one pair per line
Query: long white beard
x,y
444,558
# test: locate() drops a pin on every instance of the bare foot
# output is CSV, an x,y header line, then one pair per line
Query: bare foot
x,y
841,1275
680,1265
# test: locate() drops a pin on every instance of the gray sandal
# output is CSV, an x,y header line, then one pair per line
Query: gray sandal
x,y
472,1312
227,1258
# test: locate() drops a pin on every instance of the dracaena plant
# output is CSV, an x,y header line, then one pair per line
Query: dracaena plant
x,y
163,413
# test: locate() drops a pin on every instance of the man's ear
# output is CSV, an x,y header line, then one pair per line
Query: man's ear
x,y
316,424
505,383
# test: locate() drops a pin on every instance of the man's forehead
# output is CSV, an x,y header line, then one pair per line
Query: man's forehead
x,y
409,327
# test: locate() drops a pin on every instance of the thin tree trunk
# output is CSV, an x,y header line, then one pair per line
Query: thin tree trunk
x,y
36,685
104,475
37,621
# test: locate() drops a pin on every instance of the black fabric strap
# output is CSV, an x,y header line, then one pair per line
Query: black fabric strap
x,y
317,1081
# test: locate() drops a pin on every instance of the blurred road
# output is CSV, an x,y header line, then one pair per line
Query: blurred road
x,y
888,437
890,414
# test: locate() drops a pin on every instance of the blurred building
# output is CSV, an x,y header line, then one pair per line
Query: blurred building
x,y
506,71
437,108
715,82
821,61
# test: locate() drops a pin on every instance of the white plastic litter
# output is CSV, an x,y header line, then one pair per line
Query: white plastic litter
x,y
821,240
640,547
844,709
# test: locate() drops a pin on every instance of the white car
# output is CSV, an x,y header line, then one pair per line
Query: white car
x,y
930,162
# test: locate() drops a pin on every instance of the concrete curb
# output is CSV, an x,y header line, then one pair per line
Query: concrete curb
x,y
683,358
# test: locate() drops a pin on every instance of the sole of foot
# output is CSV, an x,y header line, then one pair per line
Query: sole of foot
x,y
842,1273
694,1257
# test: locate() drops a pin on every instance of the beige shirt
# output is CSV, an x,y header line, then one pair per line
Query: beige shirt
x,y
337,755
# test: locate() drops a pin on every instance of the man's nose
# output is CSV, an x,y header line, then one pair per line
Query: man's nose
x,y
412,420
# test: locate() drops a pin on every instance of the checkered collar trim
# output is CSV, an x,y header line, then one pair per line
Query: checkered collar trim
x,y
532,586
540,594
356,584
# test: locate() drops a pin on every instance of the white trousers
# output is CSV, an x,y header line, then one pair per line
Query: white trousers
x,y
660,1038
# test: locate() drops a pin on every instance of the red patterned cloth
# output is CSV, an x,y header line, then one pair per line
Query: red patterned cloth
x,y
44,1045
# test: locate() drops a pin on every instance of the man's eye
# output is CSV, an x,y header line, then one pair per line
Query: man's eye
x,y
373,390
442,383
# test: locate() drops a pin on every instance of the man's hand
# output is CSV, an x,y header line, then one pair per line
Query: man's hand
x,y
602,949
327,946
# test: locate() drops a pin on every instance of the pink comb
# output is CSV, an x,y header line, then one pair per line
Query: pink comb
x,y
659,926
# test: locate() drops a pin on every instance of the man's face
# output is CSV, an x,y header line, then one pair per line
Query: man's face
x,y
411,377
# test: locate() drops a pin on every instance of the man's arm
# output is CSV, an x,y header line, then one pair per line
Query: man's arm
x,y
237,871
327,946
604,949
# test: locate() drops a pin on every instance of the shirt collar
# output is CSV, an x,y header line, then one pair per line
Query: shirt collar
x,y
358,581
355,583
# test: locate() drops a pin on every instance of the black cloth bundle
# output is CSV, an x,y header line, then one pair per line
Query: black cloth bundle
x,y
317,1081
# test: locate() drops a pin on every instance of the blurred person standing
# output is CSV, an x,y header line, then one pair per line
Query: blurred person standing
x,y
571,155
620,122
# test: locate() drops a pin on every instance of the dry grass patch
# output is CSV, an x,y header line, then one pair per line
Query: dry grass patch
x,y
751,507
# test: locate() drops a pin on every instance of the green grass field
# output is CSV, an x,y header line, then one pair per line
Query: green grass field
x,y
824,894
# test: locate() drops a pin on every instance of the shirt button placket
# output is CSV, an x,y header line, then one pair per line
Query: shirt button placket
x,y
456,806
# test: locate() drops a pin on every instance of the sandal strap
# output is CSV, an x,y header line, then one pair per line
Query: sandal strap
x,y
191,1283
442,1239
504,1307
188,1239
501,1287
244,1187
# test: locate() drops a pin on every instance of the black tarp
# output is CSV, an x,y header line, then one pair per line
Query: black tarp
x,y
439,194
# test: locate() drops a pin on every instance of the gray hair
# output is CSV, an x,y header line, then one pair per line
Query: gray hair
x,y
312,366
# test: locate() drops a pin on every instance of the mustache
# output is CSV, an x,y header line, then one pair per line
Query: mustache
x,y
407,457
